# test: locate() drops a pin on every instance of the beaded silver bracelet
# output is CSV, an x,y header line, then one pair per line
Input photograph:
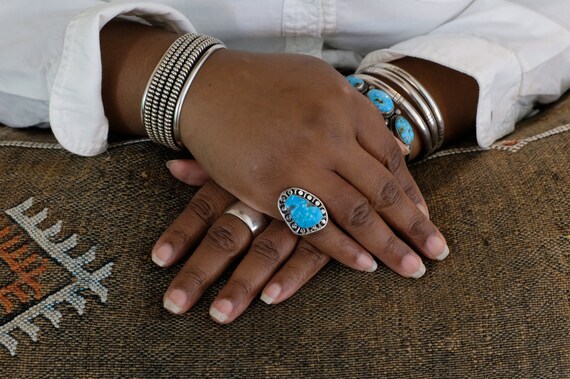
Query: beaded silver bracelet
x,y
168,85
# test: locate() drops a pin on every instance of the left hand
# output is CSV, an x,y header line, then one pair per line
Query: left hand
x,y
276,264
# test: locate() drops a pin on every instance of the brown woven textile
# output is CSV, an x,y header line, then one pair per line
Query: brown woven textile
x,y
499,306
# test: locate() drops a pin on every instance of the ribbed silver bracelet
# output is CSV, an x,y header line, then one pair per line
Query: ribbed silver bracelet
x,y
158,105
167,87
152,88
170,93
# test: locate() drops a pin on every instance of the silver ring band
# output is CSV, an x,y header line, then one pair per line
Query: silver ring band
x,y
255,221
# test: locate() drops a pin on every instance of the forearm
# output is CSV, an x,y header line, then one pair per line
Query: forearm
x,y
129,53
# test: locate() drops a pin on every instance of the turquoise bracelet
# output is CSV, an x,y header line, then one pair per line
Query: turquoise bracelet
x,y
395,121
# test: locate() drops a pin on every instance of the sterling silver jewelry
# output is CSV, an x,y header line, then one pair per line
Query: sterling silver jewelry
x,y
414,96
302,211
255,221
168,86
189,81
406,107
424,94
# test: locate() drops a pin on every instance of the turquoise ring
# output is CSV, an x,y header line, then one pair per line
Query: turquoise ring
x,y
302,211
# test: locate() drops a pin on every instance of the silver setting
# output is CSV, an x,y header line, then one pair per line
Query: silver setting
x,y
425,94
286,211
407,110
417,94
255,221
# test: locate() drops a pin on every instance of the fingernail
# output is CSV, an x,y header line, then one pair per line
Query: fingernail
x,y
414,266
437,247
175,301
367,263
221,310
271,293
423,209
444,254
163,254
168,164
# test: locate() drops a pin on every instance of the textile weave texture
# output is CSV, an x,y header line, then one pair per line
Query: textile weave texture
x,y
80,296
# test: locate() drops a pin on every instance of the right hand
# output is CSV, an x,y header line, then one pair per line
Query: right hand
x,y
275,261
261,123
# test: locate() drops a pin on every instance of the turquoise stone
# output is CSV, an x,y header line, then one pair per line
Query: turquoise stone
x,y
354,81
404,130
303,212
381,100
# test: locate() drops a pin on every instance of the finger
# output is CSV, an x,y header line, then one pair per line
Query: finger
x,y
387,198
343,248
190,226
225,241
352,212
303,264
188,171
403,148
266,254
374,137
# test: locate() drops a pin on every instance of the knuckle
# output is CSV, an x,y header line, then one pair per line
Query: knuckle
x,y
267,251
388,193
360,214
313,258
394,158
243,286
411,192
203,208
418,228
178,236
193,276
391,244
224,238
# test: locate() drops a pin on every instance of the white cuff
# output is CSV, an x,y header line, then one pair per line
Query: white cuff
x,y
495,68
76,111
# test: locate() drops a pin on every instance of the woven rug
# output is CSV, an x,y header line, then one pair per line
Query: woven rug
x,y
80,297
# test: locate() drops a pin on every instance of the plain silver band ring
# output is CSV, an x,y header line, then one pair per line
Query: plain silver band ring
x,y
255,221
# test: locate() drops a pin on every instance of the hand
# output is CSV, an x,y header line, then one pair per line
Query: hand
x,y
276,261
261,123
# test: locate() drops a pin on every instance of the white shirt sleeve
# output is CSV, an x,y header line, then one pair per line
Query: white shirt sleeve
x,y
518,51
50,66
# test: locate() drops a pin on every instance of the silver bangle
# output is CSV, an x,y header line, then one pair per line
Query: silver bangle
x,y
150,106
162,96
168,91
151,87
182,97
181,76
425,94
405,106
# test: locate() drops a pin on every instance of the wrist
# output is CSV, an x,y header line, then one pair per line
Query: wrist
x,y
128,60
455,93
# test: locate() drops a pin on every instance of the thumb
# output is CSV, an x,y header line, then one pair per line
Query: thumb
x,y
188,171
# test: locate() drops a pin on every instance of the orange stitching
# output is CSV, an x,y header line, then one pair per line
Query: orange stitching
x,y
27,276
